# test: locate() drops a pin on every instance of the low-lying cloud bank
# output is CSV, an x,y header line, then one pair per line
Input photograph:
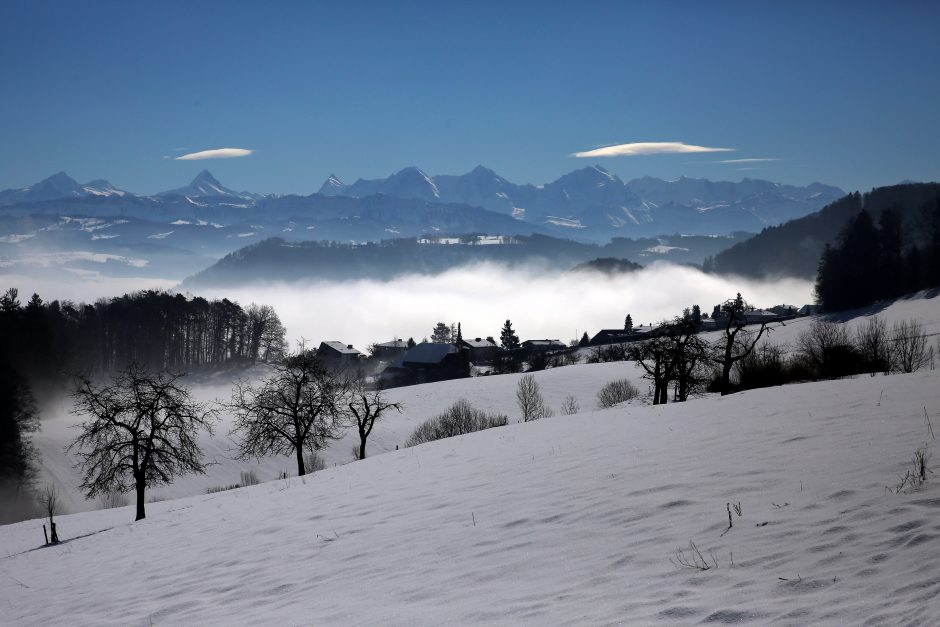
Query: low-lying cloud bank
x,y
540,303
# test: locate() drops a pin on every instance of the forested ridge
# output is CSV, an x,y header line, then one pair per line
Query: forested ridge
x,y
44,346
794,248
880,259
158,330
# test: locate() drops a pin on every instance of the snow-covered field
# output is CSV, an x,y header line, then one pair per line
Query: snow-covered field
x,y
568,520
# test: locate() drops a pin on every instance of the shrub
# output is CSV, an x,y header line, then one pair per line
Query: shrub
x,y
829,352
763,367
538,361
559,360
219,488
609,353
616,392
314,462
248,477
459,419
570,406
874,346
109,500
909,345
529,397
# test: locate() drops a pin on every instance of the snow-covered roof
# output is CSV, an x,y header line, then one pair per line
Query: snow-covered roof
x,y
544,343
479,343
339,347
393,344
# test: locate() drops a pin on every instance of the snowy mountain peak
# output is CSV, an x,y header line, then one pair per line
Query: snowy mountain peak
x,y
206,177
205,185
332,186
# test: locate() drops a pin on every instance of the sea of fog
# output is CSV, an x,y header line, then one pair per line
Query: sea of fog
x,y
541,303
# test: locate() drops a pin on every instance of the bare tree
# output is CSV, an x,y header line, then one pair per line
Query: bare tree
x,y
530,401
871,340
689,355
655,357
141,433
366,408
910,346
298,407
570,405
50,506
737,342
827,349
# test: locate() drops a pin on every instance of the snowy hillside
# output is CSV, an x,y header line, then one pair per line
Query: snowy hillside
x,y
568,520
494,394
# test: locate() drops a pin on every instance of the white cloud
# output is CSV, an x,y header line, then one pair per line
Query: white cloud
x,y
218,153
646,148
750,160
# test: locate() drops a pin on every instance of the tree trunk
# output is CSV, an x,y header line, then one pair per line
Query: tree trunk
x,y
362,446
301,471
726,368
141,514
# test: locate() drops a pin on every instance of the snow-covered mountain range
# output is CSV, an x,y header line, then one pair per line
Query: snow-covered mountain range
x,y
593,198
186,228
590,204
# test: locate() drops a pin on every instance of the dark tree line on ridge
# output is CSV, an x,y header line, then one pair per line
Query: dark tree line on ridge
x,y
43,346
154,329
871,260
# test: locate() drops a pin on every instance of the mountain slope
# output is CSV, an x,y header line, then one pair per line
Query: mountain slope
x,y
794,248
205,185
57,186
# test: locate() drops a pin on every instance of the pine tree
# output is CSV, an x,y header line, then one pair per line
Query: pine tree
x,y
628,324
508,338
459,335
441,333
585,340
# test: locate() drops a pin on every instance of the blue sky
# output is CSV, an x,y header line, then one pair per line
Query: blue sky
x,y
845,93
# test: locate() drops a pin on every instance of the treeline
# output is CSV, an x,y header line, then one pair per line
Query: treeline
x,y
794,248
46,341
44,345
872,261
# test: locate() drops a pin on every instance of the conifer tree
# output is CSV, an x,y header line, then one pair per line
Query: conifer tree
x,y
508,338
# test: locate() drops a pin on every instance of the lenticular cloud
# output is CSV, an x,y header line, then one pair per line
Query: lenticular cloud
x,y
217,153
646,148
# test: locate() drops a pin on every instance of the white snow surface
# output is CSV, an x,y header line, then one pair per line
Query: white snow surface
x,y
567,520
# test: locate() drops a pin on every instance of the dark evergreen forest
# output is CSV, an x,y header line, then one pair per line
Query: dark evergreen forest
x,y
794,248
873,260
44,345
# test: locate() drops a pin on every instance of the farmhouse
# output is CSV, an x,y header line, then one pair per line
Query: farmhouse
x,y
426,363
389,350
338,354
481,350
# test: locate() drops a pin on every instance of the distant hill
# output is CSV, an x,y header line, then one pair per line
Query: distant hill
x,y
276,259
794,248
608,265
